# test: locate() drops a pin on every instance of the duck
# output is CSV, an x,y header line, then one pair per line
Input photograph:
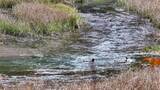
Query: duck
x,y
154,61
92,60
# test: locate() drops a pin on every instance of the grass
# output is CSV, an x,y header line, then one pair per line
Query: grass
x,y
11,3
17,28
147,8
146,79
39,18
99,1
153,48
90,1
9,26
47,18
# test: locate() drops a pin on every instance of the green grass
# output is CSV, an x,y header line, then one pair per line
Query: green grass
x,y
67,25
23,29
44,19
74,18
153,48
18,28
99,1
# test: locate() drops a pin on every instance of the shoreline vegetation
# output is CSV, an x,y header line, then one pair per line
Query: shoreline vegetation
x,y
36,26
147,79
146,8
149,9
32,17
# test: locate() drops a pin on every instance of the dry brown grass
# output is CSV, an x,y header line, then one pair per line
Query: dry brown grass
x,y
11,3
147,79
46,18
4,17
148,8
39,13
139,80
38,18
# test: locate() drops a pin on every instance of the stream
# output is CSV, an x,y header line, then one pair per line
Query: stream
x,y
113,37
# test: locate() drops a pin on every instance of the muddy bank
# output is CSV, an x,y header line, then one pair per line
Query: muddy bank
x,y
39,46
18,52
130,80
8,48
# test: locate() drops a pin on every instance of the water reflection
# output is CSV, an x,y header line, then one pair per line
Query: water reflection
x,y
93,66
93,72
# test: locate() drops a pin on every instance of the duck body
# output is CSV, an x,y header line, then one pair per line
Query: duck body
x,y
153,61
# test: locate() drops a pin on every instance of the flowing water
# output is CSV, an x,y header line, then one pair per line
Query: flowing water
x,y
113,37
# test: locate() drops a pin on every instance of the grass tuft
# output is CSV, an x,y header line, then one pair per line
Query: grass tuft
x,y
18,28
153,48
37,18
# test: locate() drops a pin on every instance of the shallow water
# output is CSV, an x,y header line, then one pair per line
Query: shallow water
x,y
112,35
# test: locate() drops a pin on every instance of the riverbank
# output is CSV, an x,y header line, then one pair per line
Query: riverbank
x,y
148,9
147,79
32,19
18,52
27,27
